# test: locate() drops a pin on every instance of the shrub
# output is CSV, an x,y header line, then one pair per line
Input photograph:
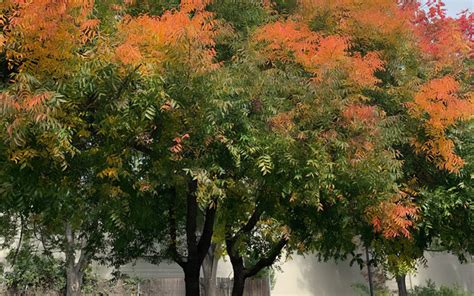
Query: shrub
x,y
431,290
32,270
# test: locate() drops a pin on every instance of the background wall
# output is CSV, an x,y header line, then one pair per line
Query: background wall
x,y
305,276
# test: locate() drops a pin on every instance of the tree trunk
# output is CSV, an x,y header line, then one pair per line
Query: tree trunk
x,y
239,284
239,275
74,270
402,287
369,271
241,272
196,249
74,281
209,270
191,279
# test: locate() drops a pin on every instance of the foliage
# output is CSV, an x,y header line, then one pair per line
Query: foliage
x,y
448,207
361,289
31,270
431,290
438,104
295,125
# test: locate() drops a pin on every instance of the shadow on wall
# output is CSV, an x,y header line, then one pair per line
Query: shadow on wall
x,y
445,269
307,276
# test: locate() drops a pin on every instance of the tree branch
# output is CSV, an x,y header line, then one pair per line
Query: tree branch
x,y
269,259
173,233
141,148
84,258
253,220
247,228
191,217
207,231
20,240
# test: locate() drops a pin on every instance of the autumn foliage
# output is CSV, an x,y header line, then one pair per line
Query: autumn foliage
x,y
175,35
307,111
332,50
439,106
319,55
443,40
44,36
395,217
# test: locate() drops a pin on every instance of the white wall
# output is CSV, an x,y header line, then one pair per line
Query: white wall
x,y
306,276
445,269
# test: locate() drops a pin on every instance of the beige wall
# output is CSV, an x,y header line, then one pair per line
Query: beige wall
x,y
445,269
306,276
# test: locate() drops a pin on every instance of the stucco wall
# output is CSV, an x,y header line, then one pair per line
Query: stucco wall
x,y
445,269
305,276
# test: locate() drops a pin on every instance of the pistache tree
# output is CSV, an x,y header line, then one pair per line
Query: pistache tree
x,y
60,95
423,88
436,118
162,126
420,89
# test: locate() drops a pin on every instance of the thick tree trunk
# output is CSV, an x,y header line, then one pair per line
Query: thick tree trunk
x,y
241,272
73,282
191,279
239,283
196,248
402,287
209,270
74,270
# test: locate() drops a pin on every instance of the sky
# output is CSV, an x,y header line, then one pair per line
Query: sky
x,y
455,6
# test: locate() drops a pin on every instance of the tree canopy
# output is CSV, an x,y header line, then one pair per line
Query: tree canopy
x,y
154,128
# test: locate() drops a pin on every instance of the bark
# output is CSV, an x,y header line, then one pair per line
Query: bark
x,y
74,281
369,271
239,277
241,272
74,270
191,279
196,249
73,273
402,287
209,270
267,260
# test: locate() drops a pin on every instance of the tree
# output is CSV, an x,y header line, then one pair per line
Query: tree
x,y
428,112
176,124
57,130
366,38
179,161
309,168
